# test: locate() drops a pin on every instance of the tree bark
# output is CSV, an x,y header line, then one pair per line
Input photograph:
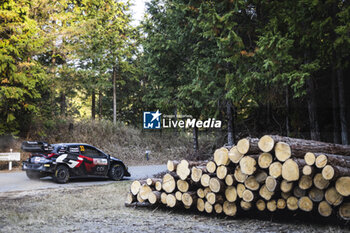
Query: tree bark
x,y
342,107
311,104
230,132
114,74
195,139
336,130
93,104
63,103
100,96
287,112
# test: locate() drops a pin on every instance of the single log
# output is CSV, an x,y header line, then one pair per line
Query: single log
x,y
330,172
231,194
213,198
305,182
342,185
338,160
234,155
249,196
139,199
285,196
260,205
230,180
218,208
266,143
208,207
264,160
182,185
171,165
275,170
301,146
248,165
292,203
183,170
265,193
271,205
200,204
230,208
158,186
286,186
282,151
298,192
271,183
171,201
308,170
324,209
145,190
154,197
130,198
168,183
200,193
163,197
136,185
211,167
310,158
260,177
248,146
205,180
251,183
178,195
305,204
281,204
222,171
189,198
316,195
344,211
240,189
245,205
239,176
321,161
152,181
333,197
320,182
290,170
216,185
221,156
196,173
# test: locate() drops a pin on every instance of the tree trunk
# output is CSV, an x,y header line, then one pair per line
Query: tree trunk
x,y
93,105
342,107
114,95
195,139
336,130
63,103
311,104
287,112
230,133
100,105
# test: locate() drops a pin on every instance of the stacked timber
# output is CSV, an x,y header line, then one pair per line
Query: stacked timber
x,y
269,174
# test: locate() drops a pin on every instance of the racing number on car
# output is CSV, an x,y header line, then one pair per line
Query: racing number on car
x,y
82,148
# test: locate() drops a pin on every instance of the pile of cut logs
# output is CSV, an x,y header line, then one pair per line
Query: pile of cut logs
x,y
272,173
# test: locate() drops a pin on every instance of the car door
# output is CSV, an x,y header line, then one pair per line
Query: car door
x,y
95,162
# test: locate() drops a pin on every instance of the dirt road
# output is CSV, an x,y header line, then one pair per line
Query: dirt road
x,y
18,181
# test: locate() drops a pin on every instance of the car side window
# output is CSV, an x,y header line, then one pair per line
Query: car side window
x,y
89,151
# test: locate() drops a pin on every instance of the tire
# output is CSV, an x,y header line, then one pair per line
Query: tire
x,y
61,175
33,175
116,172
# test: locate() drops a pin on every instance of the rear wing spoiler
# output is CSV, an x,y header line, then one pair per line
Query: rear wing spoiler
x,y
36,147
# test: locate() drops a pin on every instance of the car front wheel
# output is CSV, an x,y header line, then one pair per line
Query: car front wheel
x,y
116,172
61,175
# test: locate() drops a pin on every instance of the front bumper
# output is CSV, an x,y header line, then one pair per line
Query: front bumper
x,y
38,167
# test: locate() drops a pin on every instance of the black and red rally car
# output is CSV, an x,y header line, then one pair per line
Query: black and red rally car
x,y
67,160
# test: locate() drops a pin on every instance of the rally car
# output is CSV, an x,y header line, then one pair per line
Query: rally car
x,y
67,160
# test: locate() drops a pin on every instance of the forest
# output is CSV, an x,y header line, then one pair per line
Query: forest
x,y
259,66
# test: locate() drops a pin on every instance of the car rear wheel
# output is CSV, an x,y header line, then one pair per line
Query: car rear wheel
x,y
116,172
61,175
33,175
